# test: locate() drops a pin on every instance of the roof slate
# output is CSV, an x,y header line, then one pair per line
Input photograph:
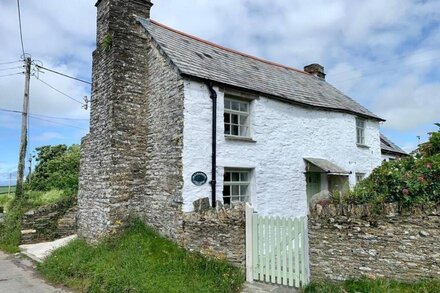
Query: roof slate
x,y
201,59
387,145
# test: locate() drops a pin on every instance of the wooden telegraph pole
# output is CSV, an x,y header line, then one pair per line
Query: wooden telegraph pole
x,y
24,120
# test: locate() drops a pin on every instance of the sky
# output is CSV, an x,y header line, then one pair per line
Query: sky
x,y
383,54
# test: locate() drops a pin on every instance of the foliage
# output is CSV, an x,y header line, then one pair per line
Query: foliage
x,y
408,181
57,168
138,260
5,189
40,198
10,228
377,286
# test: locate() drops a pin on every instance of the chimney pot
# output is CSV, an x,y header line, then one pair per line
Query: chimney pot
x,y
315,69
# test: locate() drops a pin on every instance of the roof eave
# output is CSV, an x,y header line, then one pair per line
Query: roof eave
x,y
283,99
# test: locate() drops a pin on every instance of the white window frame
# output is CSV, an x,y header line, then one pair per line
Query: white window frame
x,y
243,129
240,197
360,131
359,176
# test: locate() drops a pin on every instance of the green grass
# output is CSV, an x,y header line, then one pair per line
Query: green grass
x,y
10,229
373,286
138,260
5,189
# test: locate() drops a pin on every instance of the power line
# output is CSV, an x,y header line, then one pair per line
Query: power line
x,y
4,69
21,31
57,90
10,62
63,74
44,116
11,74
56,122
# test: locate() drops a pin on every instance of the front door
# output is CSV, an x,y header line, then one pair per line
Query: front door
x,y
313,184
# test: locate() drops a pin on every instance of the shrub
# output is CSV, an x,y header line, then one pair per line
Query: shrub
x,y
408,181
57,168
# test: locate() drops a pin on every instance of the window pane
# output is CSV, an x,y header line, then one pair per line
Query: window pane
x,y
235,105
243,107
227,104
227,176
244,131
243,119
226,190
243,190
226,200
227,129
227,117
235,176
235,190
234,118
234,130
243,176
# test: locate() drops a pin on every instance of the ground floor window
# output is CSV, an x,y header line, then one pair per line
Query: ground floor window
x,y
360,177
236,185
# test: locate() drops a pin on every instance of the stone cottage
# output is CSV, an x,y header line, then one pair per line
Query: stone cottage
x,y
179,123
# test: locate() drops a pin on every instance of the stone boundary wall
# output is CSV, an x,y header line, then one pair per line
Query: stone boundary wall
x,y
219,233
352,241
49,222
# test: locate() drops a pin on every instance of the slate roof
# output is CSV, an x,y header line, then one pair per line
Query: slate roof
x,y
386,145
327,166
202,59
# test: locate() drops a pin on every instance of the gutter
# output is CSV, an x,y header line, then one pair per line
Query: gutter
x,y
213,96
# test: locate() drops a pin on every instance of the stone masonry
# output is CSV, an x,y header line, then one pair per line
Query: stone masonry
x,y
131,161
349,241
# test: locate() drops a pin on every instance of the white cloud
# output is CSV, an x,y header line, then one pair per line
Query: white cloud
x,y
382,53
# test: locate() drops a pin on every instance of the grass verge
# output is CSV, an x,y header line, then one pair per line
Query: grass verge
x,y
10,228
138,260
376,286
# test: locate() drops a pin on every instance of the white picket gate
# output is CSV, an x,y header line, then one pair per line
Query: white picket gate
x,y
276,249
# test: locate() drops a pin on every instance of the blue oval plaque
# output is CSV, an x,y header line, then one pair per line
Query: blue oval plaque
x,y
199,178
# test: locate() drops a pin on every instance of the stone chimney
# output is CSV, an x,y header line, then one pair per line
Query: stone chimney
x,y
113,154
316,70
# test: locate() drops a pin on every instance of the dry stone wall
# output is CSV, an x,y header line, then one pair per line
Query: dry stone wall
x,y
50,222
350,241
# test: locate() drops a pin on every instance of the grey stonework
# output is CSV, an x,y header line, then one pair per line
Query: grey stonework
x,y
131,162
50,222
350,241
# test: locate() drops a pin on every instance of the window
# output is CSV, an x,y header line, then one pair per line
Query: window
x,y
236,185
236,118
360,177
360,131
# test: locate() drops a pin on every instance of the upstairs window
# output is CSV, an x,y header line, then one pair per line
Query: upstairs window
x,y
360,131
236,185
236,117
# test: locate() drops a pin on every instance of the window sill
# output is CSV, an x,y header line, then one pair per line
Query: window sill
x,y
362,146
239,138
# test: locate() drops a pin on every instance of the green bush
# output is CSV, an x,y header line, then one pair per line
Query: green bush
x,y
10,228
408,181
57,168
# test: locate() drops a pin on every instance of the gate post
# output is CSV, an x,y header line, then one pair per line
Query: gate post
x,y
249,244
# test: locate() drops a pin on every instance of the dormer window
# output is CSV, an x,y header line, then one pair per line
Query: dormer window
x,y
236,117
360,131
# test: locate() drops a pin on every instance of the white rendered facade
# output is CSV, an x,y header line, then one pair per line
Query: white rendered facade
x,y
281,135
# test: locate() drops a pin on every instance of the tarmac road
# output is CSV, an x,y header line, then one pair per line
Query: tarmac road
x,y
17,275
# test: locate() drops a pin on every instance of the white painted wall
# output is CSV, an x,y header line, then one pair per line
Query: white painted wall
x,y
387,157
284,134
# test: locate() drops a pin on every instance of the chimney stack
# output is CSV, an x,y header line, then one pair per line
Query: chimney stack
x,y
315,69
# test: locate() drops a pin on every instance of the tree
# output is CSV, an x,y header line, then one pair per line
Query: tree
x,y
57,168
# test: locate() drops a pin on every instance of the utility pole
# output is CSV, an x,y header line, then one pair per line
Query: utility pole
x,y
30,169
24,120
9,189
